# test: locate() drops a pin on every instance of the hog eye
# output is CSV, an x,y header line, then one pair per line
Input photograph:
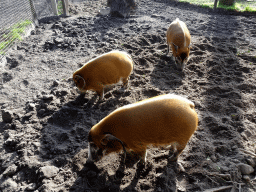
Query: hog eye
x,y
77,80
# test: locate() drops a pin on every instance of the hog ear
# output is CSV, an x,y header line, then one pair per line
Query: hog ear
x,y
176,47
109,137
80,77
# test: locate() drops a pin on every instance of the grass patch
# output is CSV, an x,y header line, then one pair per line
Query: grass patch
x,y
240,5
201,3
60,7
12,34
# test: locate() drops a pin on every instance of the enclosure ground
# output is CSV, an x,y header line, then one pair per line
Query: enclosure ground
x,y
44,147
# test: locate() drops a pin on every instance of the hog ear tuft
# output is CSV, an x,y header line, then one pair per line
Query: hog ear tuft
x,y
104,141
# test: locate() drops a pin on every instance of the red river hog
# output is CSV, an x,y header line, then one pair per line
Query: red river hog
x,y
179,38
107,69
165,121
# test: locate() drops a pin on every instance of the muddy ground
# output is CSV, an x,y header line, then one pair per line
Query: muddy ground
x,y
43,141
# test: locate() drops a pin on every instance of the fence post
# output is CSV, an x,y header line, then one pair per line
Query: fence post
x,y
54,7
65,7
33,10
215,4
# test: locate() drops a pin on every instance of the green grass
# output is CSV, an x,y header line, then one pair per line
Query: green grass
x,y
60,7
12,34
3,45
240,5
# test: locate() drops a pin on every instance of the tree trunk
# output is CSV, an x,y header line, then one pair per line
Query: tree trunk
x,y
121,8
226,2
215,4
65,7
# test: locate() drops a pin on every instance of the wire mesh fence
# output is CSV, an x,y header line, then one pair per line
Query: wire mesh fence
x,y
13,21
43,8
17,17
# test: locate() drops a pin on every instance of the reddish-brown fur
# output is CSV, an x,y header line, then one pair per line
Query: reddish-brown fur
x,y
163,120
179,38
106,69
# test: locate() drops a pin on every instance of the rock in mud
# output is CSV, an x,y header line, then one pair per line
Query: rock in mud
x,y
3,62
56,83
9,185
7,116
11,142
31,106
251,161
58,40
48,97
48,171
245,169
10,170
246,178
31,187
105,11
